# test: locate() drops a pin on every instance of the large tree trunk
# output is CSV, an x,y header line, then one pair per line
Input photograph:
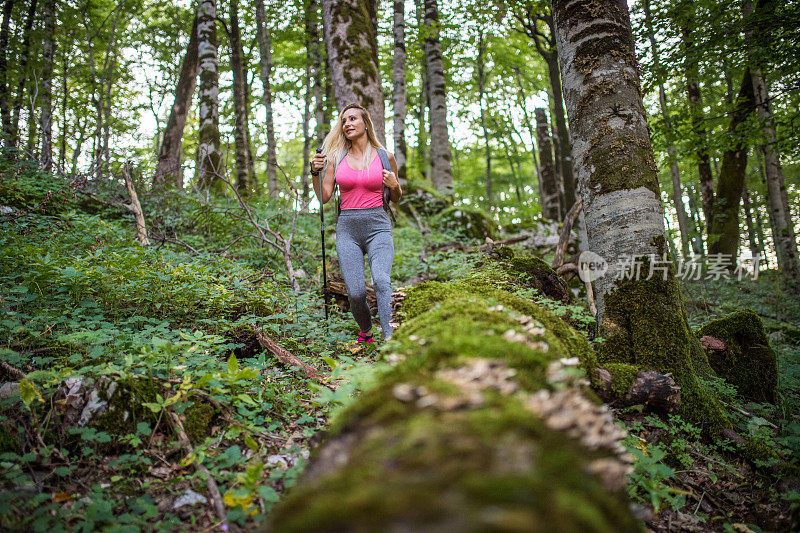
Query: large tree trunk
x,y
5,95
724,235
265,47
350,38
782,224
22,76
548,193
565,155
168,169
481,64
424,102
307,99
642,320
46,82
677,193
399,89
441,170
700,136
209,157
245,181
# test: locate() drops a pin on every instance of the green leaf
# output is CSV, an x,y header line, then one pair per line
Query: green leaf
x,y
246,399
28,393
250,443
233,365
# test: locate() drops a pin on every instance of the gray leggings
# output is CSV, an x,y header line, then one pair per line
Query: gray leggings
x,y
359,232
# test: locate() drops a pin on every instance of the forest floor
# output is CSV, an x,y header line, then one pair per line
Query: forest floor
x,y
130,374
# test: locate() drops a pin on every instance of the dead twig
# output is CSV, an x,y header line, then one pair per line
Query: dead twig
x,y
213,489
286,357
14,371
563,240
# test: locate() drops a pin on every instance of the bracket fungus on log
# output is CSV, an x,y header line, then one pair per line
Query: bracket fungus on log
x,y
485,423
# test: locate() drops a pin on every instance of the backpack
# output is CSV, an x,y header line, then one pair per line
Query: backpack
x,y
384,155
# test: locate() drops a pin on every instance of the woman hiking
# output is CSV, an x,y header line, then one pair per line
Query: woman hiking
x,y
365,186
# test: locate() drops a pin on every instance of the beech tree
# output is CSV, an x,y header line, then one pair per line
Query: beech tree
x,y
350,39
48,53
399,88
441,170
245,174
265,47
641,319
547,173
168,168
209,157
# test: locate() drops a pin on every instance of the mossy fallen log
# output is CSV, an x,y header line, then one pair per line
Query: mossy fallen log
x,y
485,424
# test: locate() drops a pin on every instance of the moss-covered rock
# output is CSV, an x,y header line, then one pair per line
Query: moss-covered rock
x,y
126,399
536,273
479,427
425,200
745,359
467,221
198,419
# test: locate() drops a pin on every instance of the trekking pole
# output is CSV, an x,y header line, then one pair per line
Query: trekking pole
x,y
322,235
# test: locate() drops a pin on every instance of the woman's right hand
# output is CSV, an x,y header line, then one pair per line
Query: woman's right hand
x,y
317,162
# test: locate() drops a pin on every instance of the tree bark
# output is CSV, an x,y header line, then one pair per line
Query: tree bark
x,y
481,68
782,224
46,113
724,235
5,96
674,171
245,180
168,169
209,157
701,138
441,169
548,192
399,90
265,47
22,76
640,317
350,39
424,99
309,93
755,250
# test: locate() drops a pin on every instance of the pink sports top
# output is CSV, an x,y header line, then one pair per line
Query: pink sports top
x,y
360,189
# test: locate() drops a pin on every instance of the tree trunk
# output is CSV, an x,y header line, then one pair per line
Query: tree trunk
x,y
13,137
724,235
531,130
641,317
782,224
458,438
697,221
309,93
317,70
755,250
548,193
209,157
265,47
424,99
481,60
696,106
5,96
399,90
46,82
241,135
565,144
677,193
441,171
168,169
350,39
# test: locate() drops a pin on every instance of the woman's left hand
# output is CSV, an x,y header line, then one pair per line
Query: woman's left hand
x,y
390,180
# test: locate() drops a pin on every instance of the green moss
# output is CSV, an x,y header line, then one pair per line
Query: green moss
x,y
748,362
626,163
645,326
125,409
623,376
467,221
8,442
198,421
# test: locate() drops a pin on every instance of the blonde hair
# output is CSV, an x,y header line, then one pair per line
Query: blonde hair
x,y
336,145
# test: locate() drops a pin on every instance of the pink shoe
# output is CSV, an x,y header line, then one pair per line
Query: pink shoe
x,y
363,338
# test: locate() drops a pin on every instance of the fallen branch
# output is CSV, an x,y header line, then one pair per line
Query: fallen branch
x,y
14,371
285,356
459,246
213,489
651,389
563,239
135,207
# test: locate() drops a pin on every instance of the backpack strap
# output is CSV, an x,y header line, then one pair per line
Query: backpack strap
x,y
335,166
384,155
